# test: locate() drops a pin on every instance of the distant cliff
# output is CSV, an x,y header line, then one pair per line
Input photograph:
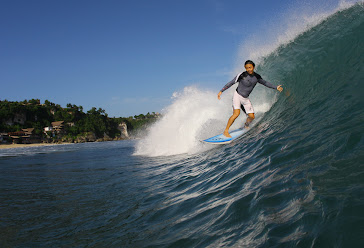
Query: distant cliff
x,y
51,121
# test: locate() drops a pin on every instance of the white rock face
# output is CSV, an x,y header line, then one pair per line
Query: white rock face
x,y
124,130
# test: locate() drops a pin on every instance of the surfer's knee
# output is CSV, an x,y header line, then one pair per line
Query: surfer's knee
x,y
236,112
251,116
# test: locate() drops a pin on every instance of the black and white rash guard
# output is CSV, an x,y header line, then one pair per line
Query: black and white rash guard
x,y
247,83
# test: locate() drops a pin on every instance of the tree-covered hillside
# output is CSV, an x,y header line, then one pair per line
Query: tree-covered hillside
x,y
15,116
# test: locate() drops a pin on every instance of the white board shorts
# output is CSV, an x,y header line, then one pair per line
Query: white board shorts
x,y
240,100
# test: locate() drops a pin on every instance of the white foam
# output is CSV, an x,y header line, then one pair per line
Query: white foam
x,y
194,115
176,132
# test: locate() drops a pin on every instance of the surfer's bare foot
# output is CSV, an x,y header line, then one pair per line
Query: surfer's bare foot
x,y
226,133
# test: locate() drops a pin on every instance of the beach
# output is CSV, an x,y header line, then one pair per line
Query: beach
x,y
9,146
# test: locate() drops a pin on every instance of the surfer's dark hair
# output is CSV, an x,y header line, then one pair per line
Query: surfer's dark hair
x,y
249,62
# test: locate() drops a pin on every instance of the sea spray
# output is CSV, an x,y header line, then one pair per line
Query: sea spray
x,y
178,130
195,114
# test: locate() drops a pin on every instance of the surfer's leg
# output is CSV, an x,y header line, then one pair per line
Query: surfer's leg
x,y
250,118
231,120
249,111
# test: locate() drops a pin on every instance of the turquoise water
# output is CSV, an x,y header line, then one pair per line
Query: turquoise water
x,y
296,179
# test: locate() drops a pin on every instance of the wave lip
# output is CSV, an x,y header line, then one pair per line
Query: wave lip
x,y
281,32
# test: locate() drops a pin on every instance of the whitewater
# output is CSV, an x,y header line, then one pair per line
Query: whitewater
x,y
295,179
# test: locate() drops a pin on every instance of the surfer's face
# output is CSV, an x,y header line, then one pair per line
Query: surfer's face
x,y
249,68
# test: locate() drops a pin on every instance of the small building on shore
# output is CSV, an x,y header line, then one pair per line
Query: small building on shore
x,y
28,131
19,137
48,129
55,128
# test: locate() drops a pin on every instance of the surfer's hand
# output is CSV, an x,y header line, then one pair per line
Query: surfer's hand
x,y
279,88
219,95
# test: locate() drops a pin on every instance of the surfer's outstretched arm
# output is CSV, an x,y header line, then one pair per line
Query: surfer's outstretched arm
x,y
227,86
269,85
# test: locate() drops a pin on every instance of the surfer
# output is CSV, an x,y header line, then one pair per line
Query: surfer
x,y
247,81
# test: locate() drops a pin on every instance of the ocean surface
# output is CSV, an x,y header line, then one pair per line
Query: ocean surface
x,y
296,179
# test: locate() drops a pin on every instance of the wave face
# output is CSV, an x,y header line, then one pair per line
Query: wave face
x,y
296,178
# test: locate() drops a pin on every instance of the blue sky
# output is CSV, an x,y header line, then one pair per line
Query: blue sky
x,y
127,57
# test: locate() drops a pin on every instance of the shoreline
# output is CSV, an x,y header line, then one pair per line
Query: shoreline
x,y
10,146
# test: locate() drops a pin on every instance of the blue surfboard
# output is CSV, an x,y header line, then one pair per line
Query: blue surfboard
x,y
222,139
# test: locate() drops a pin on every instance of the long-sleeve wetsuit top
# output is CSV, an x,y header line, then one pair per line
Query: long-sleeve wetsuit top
x,y
247,83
